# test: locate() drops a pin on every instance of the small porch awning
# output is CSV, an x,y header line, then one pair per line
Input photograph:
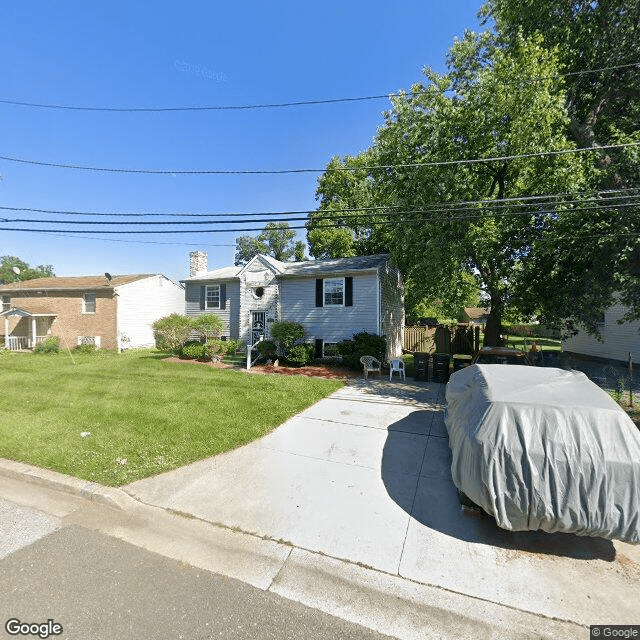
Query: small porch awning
x,y
23,313
16,343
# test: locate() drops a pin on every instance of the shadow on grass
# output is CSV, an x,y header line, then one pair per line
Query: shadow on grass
x,y
431,498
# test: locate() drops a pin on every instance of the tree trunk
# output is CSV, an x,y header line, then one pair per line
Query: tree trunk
x,y
493,328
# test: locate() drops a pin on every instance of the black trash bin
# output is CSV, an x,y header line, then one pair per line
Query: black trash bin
x,y
421,366
441,367
460,361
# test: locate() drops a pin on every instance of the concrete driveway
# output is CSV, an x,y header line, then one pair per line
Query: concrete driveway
x,y
364,476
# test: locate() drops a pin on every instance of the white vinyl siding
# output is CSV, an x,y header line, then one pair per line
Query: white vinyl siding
x,y
229,314
618,340
331,323
140,304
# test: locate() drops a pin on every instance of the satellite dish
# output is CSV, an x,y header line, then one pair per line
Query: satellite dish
x,y
16,270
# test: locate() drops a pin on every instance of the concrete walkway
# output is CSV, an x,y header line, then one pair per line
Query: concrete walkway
x,y
364,476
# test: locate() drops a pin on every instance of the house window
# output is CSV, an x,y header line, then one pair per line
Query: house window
x,y
89,303
92,340
6,303
213,296
334,292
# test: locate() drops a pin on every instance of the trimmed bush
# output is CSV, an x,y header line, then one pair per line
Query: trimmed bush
x,y
216,349
285,334
171,331
300,354
267,349
51,344
209,325
362,344
193,350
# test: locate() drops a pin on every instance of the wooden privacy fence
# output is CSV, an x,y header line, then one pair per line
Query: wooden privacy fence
x,y
463,338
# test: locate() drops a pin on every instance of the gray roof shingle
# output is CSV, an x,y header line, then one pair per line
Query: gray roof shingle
x,y
311,268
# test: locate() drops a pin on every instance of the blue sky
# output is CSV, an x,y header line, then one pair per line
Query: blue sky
x,y
123,54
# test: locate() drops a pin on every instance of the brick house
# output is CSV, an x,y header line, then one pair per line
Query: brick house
x,y
331,299
110,312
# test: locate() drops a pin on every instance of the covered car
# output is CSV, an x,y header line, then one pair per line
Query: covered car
x,y
544,448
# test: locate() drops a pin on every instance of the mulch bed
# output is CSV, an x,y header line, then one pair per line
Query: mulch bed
x,y
317,371
207,363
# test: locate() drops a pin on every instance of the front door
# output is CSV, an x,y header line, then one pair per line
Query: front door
x,y
258,326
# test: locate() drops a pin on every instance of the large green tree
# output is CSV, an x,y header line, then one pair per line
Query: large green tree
x,y
276,240
499,108
10,264
591,254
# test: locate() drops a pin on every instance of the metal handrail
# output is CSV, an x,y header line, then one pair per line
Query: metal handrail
x,y
250,348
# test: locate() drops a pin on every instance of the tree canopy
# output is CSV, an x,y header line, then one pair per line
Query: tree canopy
x,y
276,240
7,273
479,173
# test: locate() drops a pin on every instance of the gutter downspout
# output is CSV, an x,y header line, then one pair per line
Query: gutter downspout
x,y
115,302
379,304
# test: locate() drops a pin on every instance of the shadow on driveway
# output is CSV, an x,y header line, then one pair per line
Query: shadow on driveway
x,y
426,492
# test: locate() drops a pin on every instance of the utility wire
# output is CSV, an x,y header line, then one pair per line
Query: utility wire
x,y
413,165
274,105
375,218
537,200
403,218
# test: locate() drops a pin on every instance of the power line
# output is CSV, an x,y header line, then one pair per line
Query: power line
x,y
410,217
61,234
274,105
533,206
374,217
535,200
413,165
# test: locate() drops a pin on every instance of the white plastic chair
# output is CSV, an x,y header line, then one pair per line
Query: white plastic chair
x,y
397,365
370,364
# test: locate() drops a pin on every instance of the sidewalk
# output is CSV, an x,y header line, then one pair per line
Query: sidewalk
x,y
349,507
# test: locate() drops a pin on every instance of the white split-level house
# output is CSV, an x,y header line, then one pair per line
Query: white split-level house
x,y
110,312
618,340
331,299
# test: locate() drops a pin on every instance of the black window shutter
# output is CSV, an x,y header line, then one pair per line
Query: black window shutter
x,y
319,292
223,296
319,342
348,292
203,295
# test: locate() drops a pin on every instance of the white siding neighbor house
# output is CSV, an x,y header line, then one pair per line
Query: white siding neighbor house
x,y
331,299
110,312
618,340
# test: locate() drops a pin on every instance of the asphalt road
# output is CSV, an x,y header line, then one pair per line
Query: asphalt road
x,y
96,587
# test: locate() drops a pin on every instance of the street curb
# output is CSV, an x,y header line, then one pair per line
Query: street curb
x,y
109,496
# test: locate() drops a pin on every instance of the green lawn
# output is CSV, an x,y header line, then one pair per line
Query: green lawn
x,y
154,415
524,343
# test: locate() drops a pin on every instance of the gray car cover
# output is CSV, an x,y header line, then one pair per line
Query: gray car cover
x,y
543,448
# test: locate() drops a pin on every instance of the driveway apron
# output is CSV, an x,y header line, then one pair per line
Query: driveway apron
x,y
364,476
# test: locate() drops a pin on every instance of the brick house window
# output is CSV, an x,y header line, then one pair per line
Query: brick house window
x,y
6,303
89,303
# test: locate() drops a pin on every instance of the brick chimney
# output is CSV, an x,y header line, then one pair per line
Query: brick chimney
x,y
198,263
